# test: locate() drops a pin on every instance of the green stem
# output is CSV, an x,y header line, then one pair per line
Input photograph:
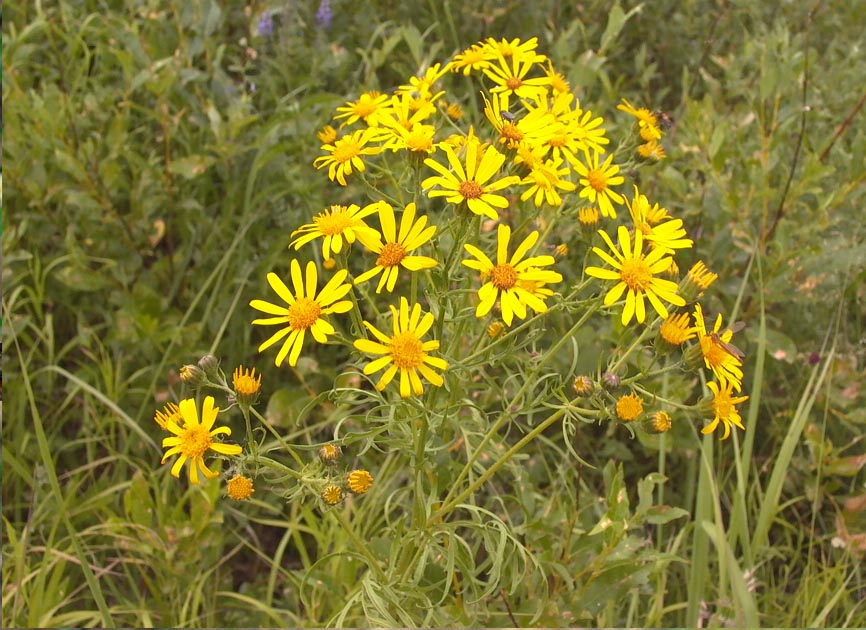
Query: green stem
x,y
360,545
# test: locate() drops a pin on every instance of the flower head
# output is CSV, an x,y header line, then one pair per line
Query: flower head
x,y
545,181
345,154
675,330
332,495
652,150
697,280
240,488
647,121
404,351
668,235
597,180
370,107
305,310
637,273
329,454
629,407
359,481
718,353
335,224
506,280
723,405
659,422
395,251
247,385
472,185
192,439
169,413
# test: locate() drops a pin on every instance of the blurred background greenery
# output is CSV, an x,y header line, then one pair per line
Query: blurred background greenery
x,y
158,153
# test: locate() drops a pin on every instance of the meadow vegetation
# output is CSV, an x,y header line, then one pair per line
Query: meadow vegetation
x,y
159,165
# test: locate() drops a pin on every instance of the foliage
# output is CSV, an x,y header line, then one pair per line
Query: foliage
x,y
158,157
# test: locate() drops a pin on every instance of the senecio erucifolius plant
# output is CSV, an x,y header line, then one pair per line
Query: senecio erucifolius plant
x,y
492,270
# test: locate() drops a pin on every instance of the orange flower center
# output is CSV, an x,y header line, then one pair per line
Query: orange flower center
x,y
365,106
194,441
636,274
406,350
560,139
629,407
470,190
513,84
303,313
346,150
597,179
334,221
511,134
722,404
392,255
713,353
419,141
503,276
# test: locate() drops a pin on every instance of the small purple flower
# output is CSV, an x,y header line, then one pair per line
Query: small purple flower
x,y
324,14
266,25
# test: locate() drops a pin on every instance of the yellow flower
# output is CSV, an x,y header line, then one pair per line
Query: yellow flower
x,y
330,453
558,82
652,150
193,439
327,135
346,152
588,216
169,413
629,407
668,236
583,385
514,49
495,329
240,488
545,181
533,129
659,422
675,330
394,253
724,409
508,277
635,272
359,481
472,59
247,385
596,181
510,75
718,353
417,141
332,495
335,224
697,280
647,121
423,85
370,107
471,185
406,112
304,311
404,351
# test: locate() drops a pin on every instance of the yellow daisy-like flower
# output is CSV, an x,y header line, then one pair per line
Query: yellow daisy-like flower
x,y
332,495
545,181
336,224
406,112
246,384
418,141
724,408
424,85
240,488
192,439
359,481
668,236
404,351
305,309
514,49
647,121
676,330
629,407
533,129
394,252
169,413
472,185
472,59
588,216
510,76
697,280
717,352
346,152
635,272
327,135
506,280
659,422
597,181
652,150
558,82
370,107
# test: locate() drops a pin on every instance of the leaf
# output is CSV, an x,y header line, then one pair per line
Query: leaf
x,y
191,166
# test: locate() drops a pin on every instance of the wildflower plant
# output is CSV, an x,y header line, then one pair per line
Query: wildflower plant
x,y
513,303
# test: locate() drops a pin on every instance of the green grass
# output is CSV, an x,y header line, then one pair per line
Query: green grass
x,y
149,187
